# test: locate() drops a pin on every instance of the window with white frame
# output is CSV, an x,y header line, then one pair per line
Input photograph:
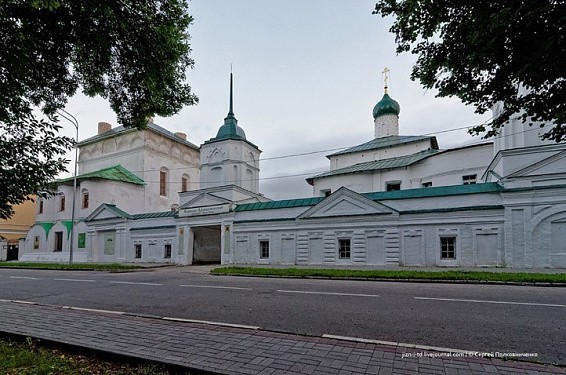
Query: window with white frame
x,y
264,249
448,248
469,179
344,248
167,251
138,251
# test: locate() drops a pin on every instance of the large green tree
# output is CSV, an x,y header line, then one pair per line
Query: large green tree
x,y
489,51
133,53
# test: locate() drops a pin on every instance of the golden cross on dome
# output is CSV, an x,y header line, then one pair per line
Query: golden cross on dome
x,y
385,78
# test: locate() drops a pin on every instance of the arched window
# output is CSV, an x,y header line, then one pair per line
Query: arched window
x,y
163,177
185,182
84,200
62,202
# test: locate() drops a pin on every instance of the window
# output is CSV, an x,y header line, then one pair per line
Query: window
x,y
62,203
391,186
167,252
264,249
58,241
184,183
163,183
36,242
447,247
40,209
82,240
469,179
138,251
85,199
427,184
344,248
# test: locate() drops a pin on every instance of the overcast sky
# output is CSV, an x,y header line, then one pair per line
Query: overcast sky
x,y
306,77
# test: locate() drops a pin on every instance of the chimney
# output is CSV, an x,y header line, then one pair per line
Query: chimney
x,y
181,135
104,127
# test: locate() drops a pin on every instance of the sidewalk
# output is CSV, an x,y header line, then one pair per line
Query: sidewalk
x,y
232,350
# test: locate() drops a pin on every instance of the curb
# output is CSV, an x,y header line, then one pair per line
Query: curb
x,y
406,280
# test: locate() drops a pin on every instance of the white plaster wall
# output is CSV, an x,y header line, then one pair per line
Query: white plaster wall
x,y
517,134
238,160
3,249
386,125
448,167
178,159
144,153
126,149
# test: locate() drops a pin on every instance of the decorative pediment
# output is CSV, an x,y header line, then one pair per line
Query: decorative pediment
x,y
345,202
554,164
205,199
107,211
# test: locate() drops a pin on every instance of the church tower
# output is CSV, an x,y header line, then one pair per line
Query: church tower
x,y
229,158
386,113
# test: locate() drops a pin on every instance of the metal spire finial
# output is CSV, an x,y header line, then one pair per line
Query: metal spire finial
x,y
385,78
231,112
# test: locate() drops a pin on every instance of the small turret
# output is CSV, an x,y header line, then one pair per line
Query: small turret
x,y
386,113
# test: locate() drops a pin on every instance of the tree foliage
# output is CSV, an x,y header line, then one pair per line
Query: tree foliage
x,y
489,51
133,53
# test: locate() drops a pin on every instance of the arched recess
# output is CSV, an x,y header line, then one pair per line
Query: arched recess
x,y
249,181
546,233
217,176
216,156
185,182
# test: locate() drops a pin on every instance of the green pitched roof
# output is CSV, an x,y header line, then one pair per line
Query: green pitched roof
x,y
153,215
271,205
115,173
438,191
390,141
391,163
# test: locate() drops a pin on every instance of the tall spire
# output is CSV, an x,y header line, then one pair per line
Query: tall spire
x,y
231,112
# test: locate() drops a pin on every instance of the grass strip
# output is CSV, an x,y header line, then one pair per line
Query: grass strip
x,y
67,266
29,358
396,274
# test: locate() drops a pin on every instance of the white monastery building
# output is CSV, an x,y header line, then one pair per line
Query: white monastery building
x,y
152,196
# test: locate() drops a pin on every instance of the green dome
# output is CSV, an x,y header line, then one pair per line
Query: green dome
x,y
386,106
230,130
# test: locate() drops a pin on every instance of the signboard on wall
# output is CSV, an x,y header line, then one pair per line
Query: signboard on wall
x,y
206,210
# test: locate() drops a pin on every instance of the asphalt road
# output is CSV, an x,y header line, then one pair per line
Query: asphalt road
x,y
484,318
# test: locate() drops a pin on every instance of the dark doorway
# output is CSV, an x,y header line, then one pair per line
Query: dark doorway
x,y
12,253
206,244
